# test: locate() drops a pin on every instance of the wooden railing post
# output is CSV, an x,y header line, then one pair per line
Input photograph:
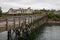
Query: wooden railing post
x,y
9,35
31,19
28,21
14,22
6,23
19,21
25,21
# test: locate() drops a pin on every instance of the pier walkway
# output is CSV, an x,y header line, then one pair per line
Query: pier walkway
x,y
21,25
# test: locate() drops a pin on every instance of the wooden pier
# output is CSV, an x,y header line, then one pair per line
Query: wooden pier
x,y
25,23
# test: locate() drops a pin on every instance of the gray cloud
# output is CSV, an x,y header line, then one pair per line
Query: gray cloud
x,y
35,4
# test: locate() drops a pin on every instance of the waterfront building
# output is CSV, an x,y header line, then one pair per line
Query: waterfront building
x,y
57,12
20,11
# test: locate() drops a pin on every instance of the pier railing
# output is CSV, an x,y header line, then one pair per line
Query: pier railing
x,y
21,25
8,23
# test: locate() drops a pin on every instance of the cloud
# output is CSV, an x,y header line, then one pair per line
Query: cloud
x,y
35,4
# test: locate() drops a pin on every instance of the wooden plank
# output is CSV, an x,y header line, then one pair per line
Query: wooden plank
x,y
2,29
7,26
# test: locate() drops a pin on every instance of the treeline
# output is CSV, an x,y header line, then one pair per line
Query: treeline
x,y
53,16
6,14
40,11
51,13
0,12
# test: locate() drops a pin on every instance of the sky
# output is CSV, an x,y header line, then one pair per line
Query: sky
x,y
34,4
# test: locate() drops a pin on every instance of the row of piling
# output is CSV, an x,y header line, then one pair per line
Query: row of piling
x,y
25,28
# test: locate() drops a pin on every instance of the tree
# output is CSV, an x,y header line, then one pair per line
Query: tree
x,y
0,12
37,12
51,14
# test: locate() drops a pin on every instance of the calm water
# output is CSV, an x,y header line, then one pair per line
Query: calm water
x,y
49,33
45,33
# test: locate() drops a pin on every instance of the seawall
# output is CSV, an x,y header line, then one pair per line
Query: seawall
x,y
53,21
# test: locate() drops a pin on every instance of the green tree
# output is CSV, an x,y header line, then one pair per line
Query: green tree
x,y
51,14
57,15
0,12
37,12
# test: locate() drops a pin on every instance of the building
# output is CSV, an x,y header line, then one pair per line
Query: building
x,y
57,12
20,11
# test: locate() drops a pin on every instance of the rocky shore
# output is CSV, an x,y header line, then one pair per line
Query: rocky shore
x,y
53,21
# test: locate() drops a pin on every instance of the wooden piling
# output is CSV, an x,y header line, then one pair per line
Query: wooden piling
x,y
19,21
14,21
9,35
6,23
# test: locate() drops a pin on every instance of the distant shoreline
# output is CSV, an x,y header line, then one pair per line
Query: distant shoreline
x,y
53,21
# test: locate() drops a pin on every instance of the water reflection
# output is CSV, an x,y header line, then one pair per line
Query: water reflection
x,y
51,32
3,35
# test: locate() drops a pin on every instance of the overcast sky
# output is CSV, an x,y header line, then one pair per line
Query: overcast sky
x,y
34,4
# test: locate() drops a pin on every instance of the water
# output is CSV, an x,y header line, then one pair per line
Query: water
x,y
45,33
3,35
50,33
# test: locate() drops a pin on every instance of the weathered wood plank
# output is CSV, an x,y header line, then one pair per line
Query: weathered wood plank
x,y
16,22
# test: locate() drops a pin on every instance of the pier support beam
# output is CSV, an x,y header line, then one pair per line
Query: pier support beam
x,y
9,35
